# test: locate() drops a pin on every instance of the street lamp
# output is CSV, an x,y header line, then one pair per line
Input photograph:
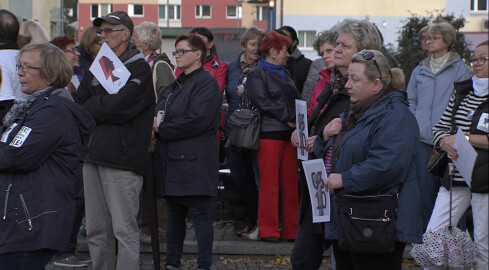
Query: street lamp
x,y
271,4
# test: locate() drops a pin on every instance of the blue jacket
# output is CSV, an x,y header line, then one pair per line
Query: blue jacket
x,y
428,94
234,72
187,152
374,157
39,157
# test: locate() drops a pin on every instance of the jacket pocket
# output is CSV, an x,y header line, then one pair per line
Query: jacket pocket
x,y
181,166
5,206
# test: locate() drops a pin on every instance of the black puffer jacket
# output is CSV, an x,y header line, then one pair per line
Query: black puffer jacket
x,y
124,120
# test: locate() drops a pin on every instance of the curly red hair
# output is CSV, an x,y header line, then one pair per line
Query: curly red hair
x,y
62,42
273,40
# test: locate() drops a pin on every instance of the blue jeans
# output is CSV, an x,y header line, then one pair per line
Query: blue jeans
x,y
79,214
244,172
26,260
176,229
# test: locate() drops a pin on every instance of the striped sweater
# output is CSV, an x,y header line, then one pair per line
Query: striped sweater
x,y
463,118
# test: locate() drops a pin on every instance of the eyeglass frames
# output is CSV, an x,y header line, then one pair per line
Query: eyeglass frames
x,y
481,60
72,50
182,52
109,30
26,67
368,55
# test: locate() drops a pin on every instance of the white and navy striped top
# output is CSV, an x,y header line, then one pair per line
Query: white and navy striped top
x,y
463,119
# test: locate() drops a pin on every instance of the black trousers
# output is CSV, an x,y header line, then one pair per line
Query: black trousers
x,y
347,260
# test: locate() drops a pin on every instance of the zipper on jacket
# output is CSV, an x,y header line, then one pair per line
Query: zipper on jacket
x,y
372,219
26,210
6,201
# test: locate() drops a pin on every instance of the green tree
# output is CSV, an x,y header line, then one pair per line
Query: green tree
x,y
409,47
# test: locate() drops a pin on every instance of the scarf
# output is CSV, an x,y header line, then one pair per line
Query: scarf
x,y
480,86
245,67
20,107
150,58
271,67
437,64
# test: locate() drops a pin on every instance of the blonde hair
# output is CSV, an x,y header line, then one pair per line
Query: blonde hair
x,y
53,63
88,38
394,76
34,31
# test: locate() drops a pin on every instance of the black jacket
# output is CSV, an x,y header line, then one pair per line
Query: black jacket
x,y
187,152
124,120
39,158
274,97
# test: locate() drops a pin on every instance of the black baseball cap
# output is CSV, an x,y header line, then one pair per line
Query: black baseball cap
x,y
116,17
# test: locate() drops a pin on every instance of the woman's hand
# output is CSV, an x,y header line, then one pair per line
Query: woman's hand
x,y
310,144
291,124
446,144
332,128
294,139
155,125
333,182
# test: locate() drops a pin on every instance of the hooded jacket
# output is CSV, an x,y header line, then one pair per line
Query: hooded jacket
x,y
374,157
428,94
39,155
124,120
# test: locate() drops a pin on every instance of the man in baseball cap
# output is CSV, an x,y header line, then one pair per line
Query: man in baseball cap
x,y
117,157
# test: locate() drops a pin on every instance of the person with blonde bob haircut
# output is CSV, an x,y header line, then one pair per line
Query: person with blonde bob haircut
x,y
34,32
90,44
373,149
40,148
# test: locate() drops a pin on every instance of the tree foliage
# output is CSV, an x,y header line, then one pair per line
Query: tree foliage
x,y
409,47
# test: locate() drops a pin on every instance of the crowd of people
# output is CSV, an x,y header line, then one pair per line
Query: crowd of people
x,y
73,150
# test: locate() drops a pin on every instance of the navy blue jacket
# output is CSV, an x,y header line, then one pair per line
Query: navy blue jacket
x,y
234,72
374,157
186,154
38,163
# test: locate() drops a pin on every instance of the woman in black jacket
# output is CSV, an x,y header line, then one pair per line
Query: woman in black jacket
x,y
186,154
271,89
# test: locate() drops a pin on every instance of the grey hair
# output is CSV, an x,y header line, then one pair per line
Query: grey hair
x,y
364,33
330,36
150,33
394,76
250,33
446,30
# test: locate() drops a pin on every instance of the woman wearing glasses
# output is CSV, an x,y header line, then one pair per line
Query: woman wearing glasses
x,y
68,46
471,117
429,89
186,154
40,149
373,152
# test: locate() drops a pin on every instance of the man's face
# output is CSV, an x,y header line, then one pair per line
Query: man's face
x,y
115,36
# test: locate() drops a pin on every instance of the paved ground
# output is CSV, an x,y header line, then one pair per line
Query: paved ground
x,y
230,253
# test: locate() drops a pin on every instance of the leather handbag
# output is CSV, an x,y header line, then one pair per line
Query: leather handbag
x,y
367,223
437,162
245,134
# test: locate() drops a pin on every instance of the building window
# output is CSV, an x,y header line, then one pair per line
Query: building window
x,y
99,10
202,11
233,12
173,12
306,38
135,10
478,5
261,13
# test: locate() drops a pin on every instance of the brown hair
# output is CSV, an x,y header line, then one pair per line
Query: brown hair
x,y
196,43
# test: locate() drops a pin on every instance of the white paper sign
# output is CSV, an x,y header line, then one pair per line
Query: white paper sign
x,y
466,156
302,129
316,180
109,70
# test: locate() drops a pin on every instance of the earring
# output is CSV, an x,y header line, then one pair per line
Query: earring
x,y
273,57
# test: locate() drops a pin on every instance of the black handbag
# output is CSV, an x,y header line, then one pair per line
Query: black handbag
x,y
245,134
437,162
367,223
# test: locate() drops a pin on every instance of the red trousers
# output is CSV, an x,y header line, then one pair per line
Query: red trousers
x,y
277,161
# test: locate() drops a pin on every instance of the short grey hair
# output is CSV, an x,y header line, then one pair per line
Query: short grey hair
x,y
250,33
330,36
150,33
446,30
364,33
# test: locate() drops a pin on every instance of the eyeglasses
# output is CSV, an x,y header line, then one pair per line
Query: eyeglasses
x,y
26,67
72,50
182,52
481,60
109,30
432,38
367,55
